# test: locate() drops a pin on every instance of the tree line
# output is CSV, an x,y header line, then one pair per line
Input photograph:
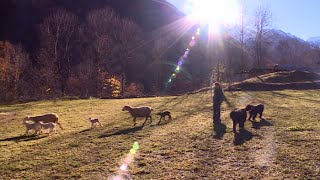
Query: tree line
x,y
106,55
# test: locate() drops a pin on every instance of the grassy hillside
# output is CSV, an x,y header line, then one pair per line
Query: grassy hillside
x,y
284,145
295,80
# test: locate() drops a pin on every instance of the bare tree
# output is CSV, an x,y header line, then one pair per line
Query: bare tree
x,y
262,23
14,61
55,55
114,41
242,32
127,38
97,34
20,63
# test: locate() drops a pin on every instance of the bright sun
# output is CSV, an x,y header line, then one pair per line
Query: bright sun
x,y
214,12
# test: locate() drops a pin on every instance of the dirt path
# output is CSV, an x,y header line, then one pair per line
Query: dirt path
x,y
265,156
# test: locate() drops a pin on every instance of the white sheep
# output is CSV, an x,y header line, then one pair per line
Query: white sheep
x,y
29,126
50,126
46,118
135,112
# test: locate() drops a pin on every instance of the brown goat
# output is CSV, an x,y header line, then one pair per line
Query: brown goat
x,y
46,118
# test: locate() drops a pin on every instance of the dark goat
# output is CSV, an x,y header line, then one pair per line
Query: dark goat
x,y
238,116
163,115
254,111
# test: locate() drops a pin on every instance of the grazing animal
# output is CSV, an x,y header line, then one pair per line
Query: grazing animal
x,y
50,126
163,115
46,118
135,112
32,126
238,116
94,122
254,111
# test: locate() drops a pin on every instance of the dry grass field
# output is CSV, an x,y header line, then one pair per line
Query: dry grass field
x,y
283,145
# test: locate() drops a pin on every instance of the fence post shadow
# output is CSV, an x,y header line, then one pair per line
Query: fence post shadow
x,y
219,128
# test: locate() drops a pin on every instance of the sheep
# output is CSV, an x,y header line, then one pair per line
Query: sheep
x,y
46,118
50,126
139,112
254,111
238,116
163,115
94,122
29,126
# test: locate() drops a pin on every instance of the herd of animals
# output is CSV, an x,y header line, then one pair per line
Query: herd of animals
x,y
48,122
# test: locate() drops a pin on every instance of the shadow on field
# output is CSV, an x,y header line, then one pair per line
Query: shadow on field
x,y
261,123
124,131
242,136
86,130
219,128
22,138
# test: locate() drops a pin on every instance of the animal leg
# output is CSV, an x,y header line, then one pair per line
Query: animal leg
x,y
145,120
26,133
261,115
134,121
249,119
160,120
241,125
254,117
234,127
150,119
169,117
38,131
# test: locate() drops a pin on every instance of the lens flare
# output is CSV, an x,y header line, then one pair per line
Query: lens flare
x,y
123,172
123,167
192,43
136,146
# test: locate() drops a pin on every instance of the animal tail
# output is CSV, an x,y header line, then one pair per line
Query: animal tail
x,y
59,125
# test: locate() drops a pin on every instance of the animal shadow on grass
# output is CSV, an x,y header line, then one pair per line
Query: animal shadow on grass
x,y
85,130
23,138
261,123
242,136
124,131
162,122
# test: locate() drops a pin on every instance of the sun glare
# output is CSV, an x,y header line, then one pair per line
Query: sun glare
x,y
214,12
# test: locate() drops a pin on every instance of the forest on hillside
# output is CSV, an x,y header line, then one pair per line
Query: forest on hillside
x,y
102,53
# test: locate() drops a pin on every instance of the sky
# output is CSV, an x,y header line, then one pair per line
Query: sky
x,y
300,18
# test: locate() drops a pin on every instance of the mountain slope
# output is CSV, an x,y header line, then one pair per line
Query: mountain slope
x,y
314,40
